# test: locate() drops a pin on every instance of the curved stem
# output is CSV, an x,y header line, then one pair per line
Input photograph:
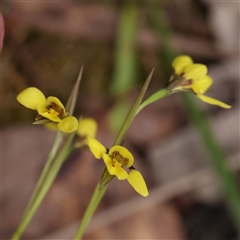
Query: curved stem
x,y
43,189
46,168
154,97
93,204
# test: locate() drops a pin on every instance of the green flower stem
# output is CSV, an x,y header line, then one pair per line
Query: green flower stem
x,y
133,111
126,51
126,64
46,184
71,103
100,190
154,97
50,158
49,168
92,206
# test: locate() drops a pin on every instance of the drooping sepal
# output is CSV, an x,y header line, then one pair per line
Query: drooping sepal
x,y
137,181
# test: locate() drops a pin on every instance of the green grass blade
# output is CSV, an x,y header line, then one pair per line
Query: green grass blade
x,y
125,51
47,182
70,106
133,111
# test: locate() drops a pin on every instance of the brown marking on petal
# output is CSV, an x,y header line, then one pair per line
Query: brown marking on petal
x,y
115,153
54,107
57,108
125,161
119,158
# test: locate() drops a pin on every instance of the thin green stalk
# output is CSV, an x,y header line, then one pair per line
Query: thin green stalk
x,y
71,103
99,190
133,111
154,97
70,108
125,68
52,173
125,52
48,168
50,158
92,206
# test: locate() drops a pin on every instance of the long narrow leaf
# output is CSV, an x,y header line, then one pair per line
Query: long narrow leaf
x,y
133,111
70,106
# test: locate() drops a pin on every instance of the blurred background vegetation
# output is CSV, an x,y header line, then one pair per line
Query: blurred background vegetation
x,y
119,43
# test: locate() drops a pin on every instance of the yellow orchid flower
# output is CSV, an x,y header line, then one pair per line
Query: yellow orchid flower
x,y
192,77
48,109
117,160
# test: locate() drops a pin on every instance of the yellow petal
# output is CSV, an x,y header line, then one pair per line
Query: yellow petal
x,y
213,101
106,158
195,71
136,180
48,113
114,168
58,105
87,127
68,124
180,62
31,98
51,126
96,147
119,172
201,85
124,153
